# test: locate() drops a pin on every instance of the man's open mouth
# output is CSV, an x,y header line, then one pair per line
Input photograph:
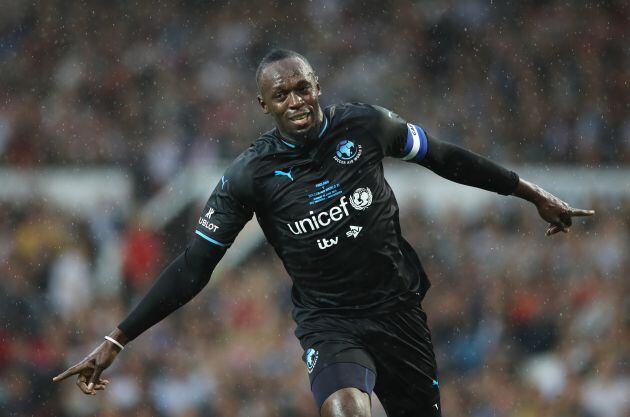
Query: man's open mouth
x,y
301,119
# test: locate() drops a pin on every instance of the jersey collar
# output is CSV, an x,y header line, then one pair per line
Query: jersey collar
x,y
319,136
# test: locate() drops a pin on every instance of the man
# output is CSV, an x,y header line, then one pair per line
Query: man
x,y
317,188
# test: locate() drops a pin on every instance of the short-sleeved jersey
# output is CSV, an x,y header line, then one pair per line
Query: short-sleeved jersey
x,y
328,211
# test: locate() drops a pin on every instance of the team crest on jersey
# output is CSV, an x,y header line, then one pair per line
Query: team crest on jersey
x,y
347,152
311,359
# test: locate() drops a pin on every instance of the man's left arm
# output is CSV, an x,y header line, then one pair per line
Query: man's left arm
x,y
410,142
465,167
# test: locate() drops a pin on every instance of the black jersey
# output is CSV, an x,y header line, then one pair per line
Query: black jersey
x,y
327,210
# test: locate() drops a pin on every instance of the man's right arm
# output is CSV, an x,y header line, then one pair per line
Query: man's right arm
x,y
227,210
178,283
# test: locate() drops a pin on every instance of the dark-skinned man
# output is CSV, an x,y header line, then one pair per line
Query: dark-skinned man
x,y
316,186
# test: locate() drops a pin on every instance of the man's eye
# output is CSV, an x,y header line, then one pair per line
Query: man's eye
x,y
279,96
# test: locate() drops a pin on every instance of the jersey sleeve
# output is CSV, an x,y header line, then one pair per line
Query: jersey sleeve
x,y
398,138
230,205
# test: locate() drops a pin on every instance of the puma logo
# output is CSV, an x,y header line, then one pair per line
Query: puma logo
x,y
285,174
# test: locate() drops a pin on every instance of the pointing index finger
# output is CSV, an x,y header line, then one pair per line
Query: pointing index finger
x,y
69,372
580,212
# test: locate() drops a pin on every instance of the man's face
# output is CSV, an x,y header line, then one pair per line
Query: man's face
x,y
289,92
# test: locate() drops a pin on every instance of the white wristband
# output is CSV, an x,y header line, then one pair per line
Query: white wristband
x,y
114,341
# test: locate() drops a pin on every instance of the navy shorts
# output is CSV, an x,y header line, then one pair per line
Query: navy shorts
x,y
390,354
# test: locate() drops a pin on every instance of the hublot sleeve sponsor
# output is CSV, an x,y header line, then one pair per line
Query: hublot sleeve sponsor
x,y
229,206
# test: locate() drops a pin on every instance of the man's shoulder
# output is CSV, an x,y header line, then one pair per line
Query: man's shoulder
x,y
357,112
241,171
351,109
266,144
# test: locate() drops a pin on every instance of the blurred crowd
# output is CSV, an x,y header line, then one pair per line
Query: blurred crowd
x,y
156,85
523,325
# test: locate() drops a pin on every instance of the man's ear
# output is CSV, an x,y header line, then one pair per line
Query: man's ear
x,y
263,105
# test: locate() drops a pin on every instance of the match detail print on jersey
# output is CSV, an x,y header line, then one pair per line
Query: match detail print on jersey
x,y
416,146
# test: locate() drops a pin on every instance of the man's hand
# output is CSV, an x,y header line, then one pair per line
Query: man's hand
x,y
559,214
553,210
90,368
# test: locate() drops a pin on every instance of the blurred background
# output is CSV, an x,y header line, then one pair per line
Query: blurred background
x,y
116,119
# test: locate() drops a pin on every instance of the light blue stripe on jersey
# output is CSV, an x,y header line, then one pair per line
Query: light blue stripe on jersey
x,y
416,146
290,145
209,239
321,133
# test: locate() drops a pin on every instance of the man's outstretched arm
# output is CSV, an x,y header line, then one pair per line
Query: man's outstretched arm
x,y
465,167
178,283
553,210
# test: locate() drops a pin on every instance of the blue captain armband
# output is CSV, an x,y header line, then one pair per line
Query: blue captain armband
x,y
416,146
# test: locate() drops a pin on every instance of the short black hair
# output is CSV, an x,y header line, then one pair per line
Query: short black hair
x,y
277,55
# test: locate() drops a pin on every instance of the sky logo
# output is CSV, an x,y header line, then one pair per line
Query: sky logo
x,y
285,174
354,231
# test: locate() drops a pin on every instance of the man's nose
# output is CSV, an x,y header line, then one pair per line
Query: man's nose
x,y
295,100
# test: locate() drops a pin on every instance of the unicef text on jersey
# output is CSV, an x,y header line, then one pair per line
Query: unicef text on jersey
x,y
322,219
360,199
